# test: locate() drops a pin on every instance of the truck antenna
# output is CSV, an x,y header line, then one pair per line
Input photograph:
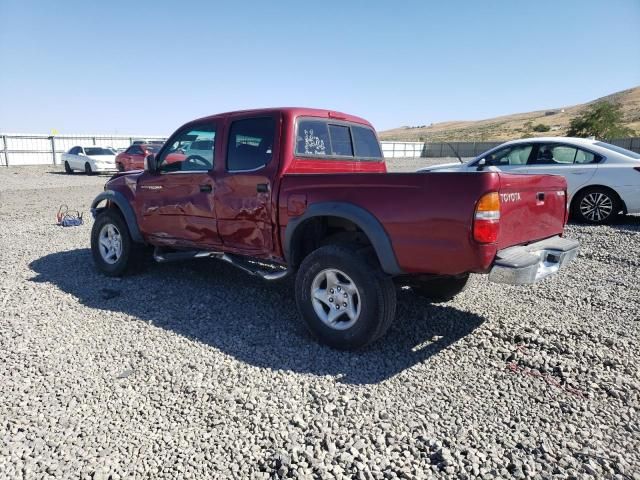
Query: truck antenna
x,y
454,151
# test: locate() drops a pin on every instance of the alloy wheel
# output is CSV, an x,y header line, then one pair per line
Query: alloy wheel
x,y
336,299
596,206
110,240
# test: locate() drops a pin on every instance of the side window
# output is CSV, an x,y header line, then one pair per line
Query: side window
x,y
585,157
130,150
74,151
554,155
177,157
250,143
365,143
340,140
512,155
312,138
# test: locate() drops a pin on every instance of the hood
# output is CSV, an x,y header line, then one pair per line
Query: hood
x,y
445,167
103,158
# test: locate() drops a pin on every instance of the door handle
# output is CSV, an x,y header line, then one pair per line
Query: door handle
x,y
262,187
206,188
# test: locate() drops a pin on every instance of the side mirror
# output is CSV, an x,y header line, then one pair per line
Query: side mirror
x,y
481,164
150,164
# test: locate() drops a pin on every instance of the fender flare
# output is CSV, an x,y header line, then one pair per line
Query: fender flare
x,y
125,208
366,221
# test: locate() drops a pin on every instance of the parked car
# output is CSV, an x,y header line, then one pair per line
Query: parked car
x,y
133,157
304,191
89,160
602,179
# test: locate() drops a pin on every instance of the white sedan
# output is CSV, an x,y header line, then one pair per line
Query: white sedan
x,y
602,179
89,160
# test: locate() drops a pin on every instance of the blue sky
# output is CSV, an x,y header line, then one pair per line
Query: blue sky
x,y
148,66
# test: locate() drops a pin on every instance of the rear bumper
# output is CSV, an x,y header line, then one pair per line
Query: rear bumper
x,y
526,264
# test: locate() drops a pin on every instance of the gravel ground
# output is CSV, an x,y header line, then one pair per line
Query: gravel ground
x,y
196,370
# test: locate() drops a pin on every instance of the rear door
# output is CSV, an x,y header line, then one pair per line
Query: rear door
x,y
176,204
576,165
244,188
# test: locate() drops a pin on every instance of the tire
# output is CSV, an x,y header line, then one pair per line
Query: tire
x,y
67,168
87,169
117,263
343,276
596,206
441,289
120,167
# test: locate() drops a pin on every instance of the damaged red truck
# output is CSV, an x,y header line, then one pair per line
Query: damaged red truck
x,y
305,192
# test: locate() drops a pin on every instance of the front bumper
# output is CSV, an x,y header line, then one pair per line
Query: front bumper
x,y
105,167
526,264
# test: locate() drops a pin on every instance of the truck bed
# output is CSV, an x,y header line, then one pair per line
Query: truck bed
x,y
428,216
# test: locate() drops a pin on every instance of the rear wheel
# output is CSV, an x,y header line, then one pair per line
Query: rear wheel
x,y
441,289
344,298
596,205
67,167
87,168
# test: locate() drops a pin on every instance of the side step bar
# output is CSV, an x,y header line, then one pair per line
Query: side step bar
x,y
161,256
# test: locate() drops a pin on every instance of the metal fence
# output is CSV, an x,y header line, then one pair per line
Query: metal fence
x,y
467,149
25,149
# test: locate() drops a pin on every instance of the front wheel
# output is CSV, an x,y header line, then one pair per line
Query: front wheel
x,y
111,244
596,205
120,167
344,298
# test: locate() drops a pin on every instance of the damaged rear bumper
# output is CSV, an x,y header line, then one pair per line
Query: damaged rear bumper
x,y
525,264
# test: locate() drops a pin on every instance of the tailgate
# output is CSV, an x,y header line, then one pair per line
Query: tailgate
x,y
532,207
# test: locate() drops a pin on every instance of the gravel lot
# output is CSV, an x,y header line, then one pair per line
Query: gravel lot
x,y
197,370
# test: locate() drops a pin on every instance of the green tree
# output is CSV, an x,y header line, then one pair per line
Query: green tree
x,y
602,120
541,127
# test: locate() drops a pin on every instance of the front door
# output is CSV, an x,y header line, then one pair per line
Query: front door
x,y
175,204
244,188
509,159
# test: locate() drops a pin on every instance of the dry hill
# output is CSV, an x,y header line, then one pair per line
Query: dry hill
x,y
517,125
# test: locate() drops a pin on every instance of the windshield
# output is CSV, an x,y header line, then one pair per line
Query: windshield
x,y
97,151
620,150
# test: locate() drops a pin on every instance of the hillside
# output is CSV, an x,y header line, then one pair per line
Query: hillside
x,y
517,125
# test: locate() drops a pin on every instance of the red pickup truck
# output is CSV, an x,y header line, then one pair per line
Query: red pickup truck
x,y
302,191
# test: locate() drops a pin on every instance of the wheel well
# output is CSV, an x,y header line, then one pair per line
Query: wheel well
x,y
621,203
324,230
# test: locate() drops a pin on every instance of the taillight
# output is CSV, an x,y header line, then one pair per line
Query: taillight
x,y
486,222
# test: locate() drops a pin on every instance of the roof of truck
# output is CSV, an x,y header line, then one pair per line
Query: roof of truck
x,y
292,112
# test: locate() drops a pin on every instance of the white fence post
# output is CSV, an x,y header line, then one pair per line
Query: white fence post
x,y
4,147
53,149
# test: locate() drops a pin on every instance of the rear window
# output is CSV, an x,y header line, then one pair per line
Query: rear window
x,y
326,138
97,151
620,150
